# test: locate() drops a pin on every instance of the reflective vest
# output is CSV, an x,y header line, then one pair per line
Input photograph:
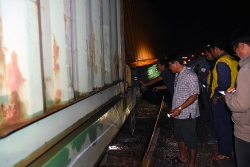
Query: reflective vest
x,y
208,77
233,65
208,83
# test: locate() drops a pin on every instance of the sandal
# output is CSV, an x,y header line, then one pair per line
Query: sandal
x,y
176,160
219,157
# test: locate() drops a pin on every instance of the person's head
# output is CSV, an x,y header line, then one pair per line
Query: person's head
x,y
175,63
208,54
240,42
161,64
218,46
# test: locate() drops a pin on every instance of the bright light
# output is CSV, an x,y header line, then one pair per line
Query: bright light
x,y
144,52
114,148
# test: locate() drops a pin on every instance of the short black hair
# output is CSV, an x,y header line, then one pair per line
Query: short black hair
x,y
241,35
175,57
162,61
220,43
207,48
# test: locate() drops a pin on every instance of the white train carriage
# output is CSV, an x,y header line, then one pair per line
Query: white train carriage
x,y
61,64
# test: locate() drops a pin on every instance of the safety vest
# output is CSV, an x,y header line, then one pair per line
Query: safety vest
x,y
208,77
233,65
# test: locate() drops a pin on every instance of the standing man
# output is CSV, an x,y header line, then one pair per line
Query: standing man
x,y
202,78
238,101
223,77
211,61
185,109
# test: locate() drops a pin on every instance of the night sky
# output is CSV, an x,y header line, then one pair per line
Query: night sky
x,y
193,24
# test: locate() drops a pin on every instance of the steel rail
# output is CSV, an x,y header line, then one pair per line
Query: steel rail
x,y
152,143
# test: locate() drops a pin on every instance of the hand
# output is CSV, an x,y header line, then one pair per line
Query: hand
x,y
214,99
143,83
231,91
155,89
175,112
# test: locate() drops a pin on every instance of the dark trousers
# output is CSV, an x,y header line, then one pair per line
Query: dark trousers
x,y
223,126
205,102
242,150
211,121
184,131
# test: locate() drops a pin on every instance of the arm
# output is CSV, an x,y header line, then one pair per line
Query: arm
x,y
223,80
151,82
188,102
155,89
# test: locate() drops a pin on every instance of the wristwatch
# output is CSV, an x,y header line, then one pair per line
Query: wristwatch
x,y
180,108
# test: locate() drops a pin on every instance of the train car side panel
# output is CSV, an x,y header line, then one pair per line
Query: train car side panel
x,y
61,61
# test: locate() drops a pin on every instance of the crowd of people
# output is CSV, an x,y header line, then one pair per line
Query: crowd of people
x,y
228,112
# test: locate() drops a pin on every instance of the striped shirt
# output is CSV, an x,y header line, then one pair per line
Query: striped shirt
x,y
186,84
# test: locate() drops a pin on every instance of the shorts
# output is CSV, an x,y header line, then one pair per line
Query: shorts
x,y
184,131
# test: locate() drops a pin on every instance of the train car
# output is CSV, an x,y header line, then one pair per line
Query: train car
x,y
62,62
65,78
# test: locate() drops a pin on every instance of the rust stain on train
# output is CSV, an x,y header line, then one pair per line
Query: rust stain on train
x,y
12,112
116,65
94,54
48,79
36,6
65,18
58,96
102,61
56,56
65,21
14,75
2,58
88,53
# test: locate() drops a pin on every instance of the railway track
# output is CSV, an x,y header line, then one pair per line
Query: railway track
x,y
134,147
